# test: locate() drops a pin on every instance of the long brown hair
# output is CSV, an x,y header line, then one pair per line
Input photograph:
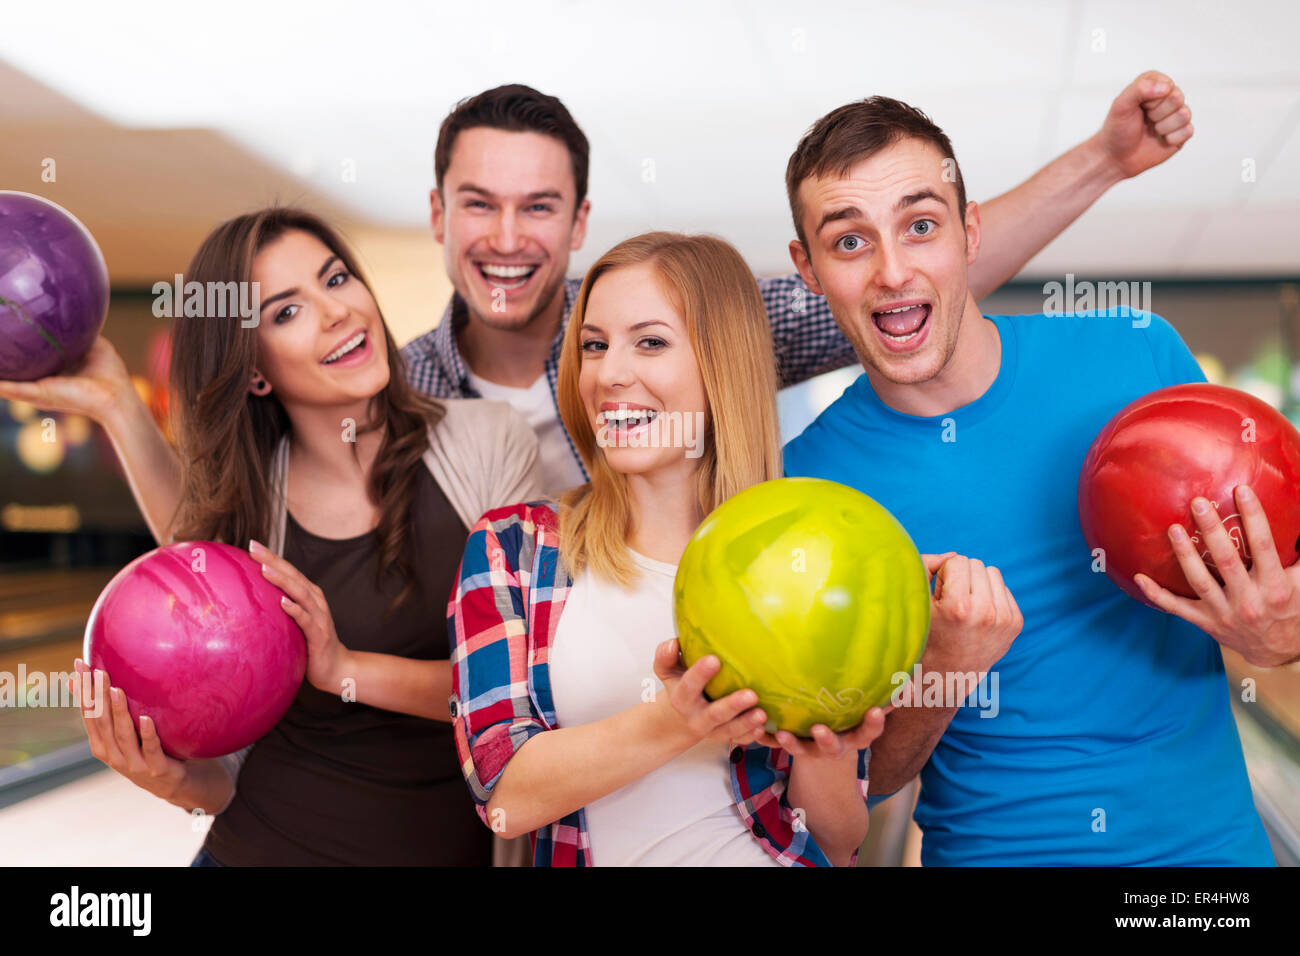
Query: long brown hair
x,y
709,283
227,436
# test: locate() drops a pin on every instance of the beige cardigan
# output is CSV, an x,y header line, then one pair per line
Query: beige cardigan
x,y
482,454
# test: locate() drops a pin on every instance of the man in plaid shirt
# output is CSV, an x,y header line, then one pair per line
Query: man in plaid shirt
x,y
510,206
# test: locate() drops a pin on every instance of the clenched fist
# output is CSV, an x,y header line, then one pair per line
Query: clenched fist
x,y
973,615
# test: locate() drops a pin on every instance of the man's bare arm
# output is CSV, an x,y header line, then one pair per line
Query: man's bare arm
x,y
1148,122
899,753
974,618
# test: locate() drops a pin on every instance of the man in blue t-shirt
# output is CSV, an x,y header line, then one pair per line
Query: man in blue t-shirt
x,y
1100,731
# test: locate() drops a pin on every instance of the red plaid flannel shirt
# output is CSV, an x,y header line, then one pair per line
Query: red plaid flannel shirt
x,y
502,618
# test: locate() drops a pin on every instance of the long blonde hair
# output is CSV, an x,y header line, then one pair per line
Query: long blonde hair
x,y
712,288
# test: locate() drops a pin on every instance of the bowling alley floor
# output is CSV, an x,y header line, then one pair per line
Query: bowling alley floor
x,y
99,820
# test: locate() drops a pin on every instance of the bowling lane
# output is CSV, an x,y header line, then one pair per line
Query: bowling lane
x,y
27,732
37,606
42,618
1269,725
1277,689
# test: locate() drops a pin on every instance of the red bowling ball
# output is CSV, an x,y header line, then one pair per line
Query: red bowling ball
x,y
1171,446
196,638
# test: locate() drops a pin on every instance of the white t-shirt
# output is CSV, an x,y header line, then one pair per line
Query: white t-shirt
x,y
601,663
560,469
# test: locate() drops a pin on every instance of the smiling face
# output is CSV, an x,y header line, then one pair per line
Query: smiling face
x,y
506,220
639,381
320,340
888,249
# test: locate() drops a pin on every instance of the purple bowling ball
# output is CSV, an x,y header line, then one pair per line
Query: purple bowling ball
x,y
53,288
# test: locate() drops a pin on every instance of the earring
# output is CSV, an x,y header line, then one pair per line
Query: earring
x,y
261,386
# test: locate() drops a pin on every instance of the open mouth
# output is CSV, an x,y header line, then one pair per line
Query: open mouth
x,y
350,352
626,418
903,327
507,277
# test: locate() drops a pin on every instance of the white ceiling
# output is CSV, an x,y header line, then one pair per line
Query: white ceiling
x,y
716,94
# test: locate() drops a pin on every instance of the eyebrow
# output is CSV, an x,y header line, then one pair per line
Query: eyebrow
x,y
853,212
294,291
640,325
914,198
539,194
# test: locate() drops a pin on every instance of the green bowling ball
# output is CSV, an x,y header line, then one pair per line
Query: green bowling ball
x,y
810,594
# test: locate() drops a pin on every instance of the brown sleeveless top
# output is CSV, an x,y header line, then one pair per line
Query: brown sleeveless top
x,y
338,783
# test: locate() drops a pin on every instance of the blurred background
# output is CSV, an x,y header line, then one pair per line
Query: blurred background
x,y
159,120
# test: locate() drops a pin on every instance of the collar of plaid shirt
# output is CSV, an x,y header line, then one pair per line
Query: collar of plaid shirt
x,y
442,341
436,367
503,615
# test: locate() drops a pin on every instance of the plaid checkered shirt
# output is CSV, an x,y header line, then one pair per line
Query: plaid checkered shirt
x,y
804,335
502,619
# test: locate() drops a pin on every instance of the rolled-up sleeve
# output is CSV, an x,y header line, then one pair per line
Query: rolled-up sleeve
x,y
491,707
760,778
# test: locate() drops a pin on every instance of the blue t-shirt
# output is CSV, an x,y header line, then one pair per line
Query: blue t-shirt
x,y
1113,742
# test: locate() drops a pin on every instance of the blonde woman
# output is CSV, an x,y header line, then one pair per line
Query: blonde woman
x,y
574,719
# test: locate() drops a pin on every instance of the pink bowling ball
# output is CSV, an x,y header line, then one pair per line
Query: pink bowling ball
x,y
196,638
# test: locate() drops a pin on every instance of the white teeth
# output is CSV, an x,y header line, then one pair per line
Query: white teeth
x,y
627,416
507,272
345,348
902,308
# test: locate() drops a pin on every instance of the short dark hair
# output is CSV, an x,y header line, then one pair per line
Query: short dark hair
x,y
854,132
517,109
